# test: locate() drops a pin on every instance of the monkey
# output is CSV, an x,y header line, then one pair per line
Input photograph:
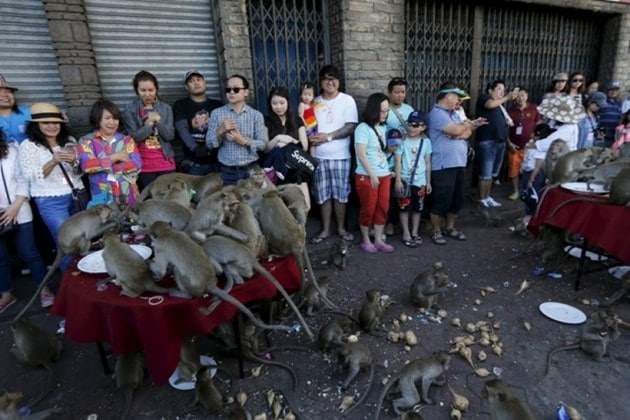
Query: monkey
x,y
243,220
333,333
551,243
206,393
239,413
427,285
129,374
293,198
75,237
8,408
600,329
237,262
356,356
411,415
623,291
202,186
35,346
337,254
312,296
193,272
504,405
557,149
620,188
605,173
571,164
429,369
189,361
371,311
145,213
211,215
260,178
127,268
179,193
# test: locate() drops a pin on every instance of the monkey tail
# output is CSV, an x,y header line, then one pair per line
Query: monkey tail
x,y
48,389
306,261
551,353
365,394
127,408
277,364
382,396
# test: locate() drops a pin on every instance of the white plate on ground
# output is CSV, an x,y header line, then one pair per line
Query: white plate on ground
x,y
562,312
583,187
94,263
575,251
187,386
618,271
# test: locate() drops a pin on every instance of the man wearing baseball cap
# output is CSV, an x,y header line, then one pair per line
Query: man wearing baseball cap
x,y
609,114
13,117
192,115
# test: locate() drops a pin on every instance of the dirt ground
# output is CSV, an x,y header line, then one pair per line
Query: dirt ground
x,y
492,256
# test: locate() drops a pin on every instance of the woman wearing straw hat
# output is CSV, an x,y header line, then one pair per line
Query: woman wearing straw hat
x,y
565,113
49,162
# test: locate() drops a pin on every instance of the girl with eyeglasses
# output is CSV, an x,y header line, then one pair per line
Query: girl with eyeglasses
x,y
576,87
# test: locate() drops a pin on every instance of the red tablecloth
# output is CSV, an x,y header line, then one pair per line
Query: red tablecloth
x,y
590,215
134,324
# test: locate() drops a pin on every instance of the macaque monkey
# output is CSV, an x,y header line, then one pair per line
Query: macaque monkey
x,y
34,346
8,408
75,238
202,186
600,329
570,165
189,361
243,220
333,333
371,311
239,413
127,268
293,198
356,356
625,288
312,296
504,405
206,393
145,213
337,254
620,188
129,374
428,285
259,178
193,272
178,192
411,415
237,262
429,370
212,214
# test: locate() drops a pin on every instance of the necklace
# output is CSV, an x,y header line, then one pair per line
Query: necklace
x,y
329,106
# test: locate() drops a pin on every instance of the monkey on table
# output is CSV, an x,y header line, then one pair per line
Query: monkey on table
x,y
201,185
212,214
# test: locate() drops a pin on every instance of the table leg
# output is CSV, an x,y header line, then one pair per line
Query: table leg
x,y
239,346
103,357
580,269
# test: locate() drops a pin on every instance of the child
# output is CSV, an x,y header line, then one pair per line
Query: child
x,y
622,133
413,177
306,110
532,177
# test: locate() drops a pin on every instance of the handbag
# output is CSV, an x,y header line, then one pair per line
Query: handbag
x,y
80,196
300,165
406,189
6,229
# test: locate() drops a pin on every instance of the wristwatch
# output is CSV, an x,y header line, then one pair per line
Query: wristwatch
x,y
329,137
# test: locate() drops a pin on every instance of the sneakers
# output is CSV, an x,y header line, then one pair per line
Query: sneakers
x,y
513,197
490,202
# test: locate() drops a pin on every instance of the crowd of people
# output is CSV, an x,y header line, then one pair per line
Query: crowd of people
x,y
399,161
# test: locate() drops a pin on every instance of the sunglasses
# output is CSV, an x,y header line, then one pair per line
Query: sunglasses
x,y
234,89
416,125
577,80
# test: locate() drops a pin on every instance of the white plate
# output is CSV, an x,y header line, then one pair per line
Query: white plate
x,y
575,251
583,187
562,313
187,386
618,271
94,263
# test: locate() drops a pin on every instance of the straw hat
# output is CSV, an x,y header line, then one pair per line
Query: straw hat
x,y
5,85
45,112
563,109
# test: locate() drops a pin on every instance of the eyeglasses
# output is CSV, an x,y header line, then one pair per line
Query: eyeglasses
x,y
577,80
399,81
330,80
234,89
416,125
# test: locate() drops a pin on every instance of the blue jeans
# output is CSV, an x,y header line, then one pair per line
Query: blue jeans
x,y
55,211
203,168
233,174
24,242
490,154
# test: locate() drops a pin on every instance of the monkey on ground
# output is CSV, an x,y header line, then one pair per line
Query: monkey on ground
x,y
429,370
337,254
313,297
34,346
428,285
206,393
504,405
356,356
200,185
189,361
8,408
129,375
145,213
212,214
600,329
237,262
623,291
333,333
193,272
239,413
371,311
75,238
127,268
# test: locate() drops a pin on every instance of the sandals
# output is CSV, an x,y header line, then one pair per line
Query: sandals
x,y
46,300
4,306
437,238
318,239
348,237
368,248
411,243
417,239
455,234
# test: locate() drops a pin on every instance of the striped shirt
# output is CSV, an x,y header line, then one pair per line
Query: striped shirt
x,y
447,152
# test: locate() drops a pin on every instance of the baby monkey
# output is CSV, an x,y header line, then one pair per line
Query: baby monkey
x,y
337,255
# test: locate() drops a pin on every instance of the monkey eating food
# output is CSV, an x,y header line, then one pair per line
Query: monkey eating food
x,y
356,356
333,333
206,393
428,285
371,311
504,405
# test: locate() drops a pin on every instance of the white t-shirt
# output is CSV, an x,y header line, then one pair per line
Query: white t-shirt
x,y
566,132
332,114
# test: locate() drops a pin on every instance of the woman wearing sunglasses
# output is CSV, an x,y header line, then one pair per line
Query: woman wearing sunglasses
x,y
576,86
149,122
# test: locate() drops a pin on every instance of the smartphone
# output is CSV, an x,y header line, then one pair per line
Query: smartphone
x,y
517,89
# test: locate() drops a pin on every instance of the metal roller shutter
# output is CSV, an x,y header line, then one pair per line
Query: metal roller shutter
x,y
27,57
166,38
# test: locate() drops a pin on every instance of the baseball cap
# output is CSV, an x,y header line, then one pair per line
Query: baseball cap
x,y
417,117
394,137
457,91
192,72
614,84
598,98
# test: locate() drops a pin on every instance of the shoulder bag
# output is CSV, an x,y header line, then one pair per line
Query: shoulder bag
x,y
80,196
406,190
6,229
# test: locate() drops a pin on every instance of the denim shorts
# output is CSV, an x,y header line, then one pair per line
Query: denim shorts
x,y
490,154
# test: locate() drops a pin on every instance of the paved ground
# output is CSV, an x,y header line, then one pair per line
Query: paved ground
x,y
491,257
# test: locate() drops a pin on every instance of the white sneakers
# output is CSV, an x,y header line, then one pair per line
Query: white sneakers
x,y
490,202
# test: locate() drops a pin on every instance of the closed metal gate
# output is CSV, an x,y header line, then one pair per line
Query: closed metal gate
x,y
27,57
164,37
475,44
289,42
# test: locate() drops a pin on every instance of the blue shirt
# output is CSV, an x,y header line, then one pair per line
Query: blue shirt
x,y
364,134
609,116
250,123
14,126
393,121
409,150
447,152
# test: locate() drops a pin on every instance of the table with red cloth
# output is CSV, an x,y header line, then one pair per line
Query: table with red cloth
x,y
156,326
590,215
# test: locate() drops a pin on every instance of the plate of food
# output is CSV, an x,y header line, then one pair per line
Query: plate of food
x,y
94,264
585,187
177,383
576,252
562,312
